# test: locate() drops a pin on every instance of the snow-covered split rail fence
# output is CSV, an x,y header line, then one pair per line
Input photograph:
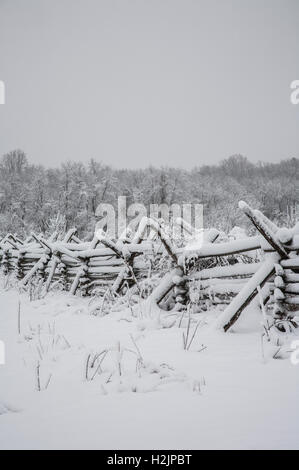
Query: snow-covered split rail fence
x,y
220,283
76,264
285,249
201,269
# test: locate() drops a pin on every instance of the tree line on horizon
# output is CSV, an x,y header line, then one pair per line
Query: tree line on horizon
x,y
39,199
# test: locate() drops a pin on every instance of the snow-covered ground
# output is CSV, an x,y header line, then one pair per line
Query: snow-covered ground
x,y
220,394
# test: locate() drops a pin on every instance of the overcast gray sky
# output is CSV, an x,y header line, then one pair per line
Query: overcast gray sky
x,y
140,82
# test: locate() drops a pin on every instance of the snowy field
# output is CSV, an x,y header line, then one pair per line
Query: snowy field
x,y
145,391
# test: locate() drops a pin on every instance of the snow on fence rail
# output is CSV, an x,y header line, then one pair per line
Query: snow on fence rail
x,y
236,281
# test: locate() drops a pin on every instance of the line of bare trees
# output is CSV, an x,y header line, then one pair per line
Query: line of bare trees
x,y
41,199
